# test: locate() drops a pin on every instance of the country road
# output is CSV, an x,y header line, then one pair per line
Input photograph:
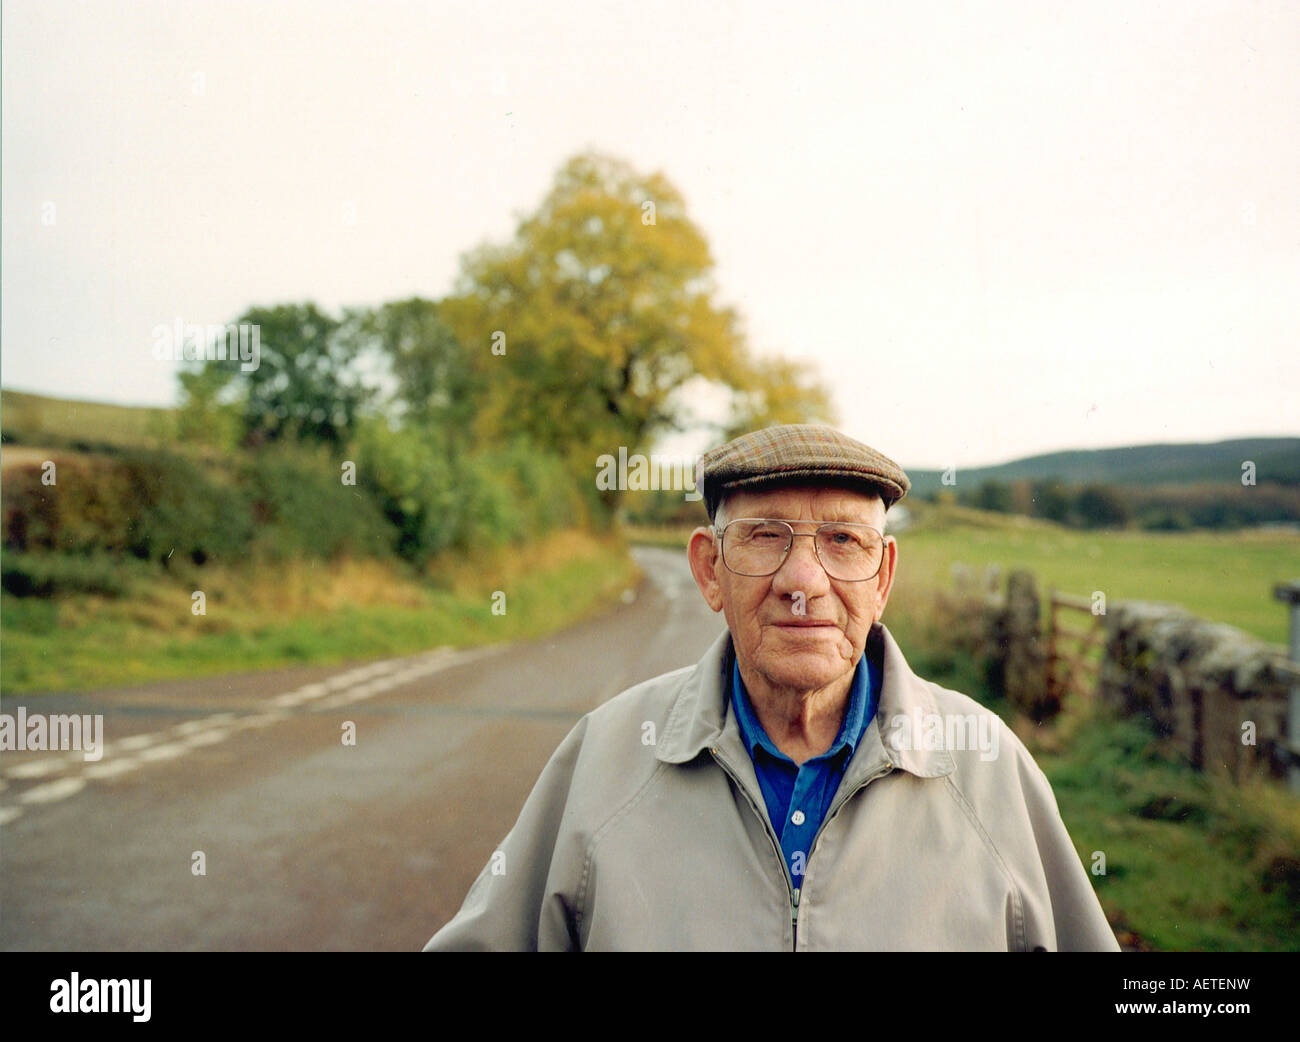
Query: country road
x,y
306,842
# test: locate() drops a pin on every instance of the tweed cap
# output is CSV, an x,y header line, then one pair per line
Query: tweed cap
x,y
797,453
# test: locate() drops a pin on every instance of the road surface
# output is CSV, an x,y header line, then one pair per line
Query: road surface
x,y
305,842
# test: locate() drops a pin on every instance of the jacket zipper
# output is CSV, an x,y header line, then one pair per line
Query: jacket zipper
x,y
795,892
791,891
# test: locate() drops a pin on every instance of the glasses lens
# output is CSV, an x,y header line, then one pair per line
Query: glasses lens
x,y
850,552
755,547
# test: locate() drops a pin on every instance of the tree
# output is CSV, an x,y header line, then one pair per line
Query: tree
x,y
435,387
306,385
992,495
1100,506
586,325
1051,499
205,414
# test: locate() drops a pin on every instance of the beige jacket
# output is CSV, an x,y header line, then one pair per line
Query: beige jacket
x,y
647,830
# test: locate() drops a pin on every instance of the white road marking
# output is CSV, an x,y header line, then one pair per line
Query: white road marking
x,y
40,768
353,686
260,720
111,769
207,738
162,752
137,741
192,726
55,790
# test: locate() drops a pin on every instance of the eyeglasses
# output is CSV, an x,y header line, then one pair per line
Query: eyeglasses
x,y
758,546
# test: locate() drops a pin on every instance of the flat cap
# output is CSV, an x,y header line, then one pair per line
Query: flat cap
x,y
797,453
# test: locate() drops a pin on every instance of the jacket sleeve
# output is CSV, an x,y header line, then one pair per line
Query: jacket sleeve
x,y
1073,916
521,900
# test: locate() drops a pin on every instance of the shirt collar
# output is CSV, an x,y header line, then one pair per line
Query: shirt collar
x,y
856,714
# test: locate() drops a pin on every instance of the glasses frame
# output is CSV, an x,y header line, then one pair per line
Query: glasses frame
x,y
721,534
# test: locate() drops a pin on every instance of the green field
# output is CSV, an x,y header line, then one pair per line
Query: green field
x,y
1226,577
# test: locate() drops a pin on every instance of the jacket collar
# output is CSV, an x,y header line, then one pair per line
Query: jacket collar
x,y
701,718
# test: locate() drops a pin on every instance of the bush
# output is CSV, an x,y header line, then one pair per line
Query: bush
x,y
1100,506
437,501
86,508
178,507
301,507
48,575
414,481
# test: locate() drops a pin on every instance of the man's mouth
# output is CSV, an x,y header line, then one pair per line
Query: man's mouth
x,y
805,623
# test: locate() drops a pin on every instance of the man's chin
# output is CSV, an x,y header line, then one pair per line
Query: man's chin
x,y
809,669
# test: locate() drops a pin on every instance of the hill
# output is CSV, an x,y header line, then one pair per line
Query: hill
x,y
35,419
1275,459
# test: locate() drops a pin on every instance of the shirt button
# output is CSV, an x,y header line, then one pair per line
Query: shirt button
x,y
797,818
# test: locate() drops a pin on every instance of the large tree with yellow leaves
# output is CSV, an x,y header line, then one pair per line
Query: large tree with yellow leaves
x,y
586,325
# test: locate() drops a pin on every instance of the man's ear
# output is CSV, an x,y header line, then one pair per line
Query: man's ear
x,y
885,580
700,552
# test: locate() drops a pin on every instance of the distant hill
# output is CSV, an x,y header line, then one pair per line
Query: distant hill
x,y
35,419
1275,459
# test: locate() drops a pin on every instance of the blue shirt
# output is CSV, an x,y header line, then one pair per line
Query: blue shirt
x,y
799,797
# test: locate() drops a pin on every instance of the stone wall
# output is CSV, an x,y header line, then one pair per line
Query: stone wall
x,y
1198,683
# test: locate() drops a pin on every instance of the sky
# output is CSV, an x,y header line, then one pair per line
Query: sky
x,y
992,229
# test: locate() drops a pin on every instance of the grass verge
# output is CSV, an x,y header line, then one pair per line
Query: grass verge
x,y
1193,862
299,613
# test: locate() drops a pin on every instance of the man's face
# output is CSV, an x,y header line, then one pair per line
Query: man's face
x,y
798,628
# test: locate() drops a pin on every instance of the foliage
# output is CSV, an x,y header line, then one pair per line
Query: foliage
x,y
303,508
206,414
435,387
49,575
602,309
306,386
1100,506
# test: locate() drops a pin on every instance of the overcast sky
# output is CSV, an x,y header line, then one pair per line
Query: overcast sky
x,y
993,229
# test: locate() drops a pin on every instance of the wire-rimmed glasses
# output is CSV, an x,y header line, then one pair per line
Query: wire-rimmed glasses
x,y
758,546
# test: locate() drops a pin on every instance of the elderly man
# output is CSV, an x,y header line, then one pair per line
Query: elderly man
x,y
800,788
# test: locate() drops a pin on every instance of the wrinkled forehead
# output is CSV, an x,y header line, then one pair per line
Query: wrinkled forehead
x,y
805,503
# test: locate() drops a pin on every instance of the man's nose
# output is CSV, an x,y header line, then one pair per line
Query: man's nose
x,y
801,570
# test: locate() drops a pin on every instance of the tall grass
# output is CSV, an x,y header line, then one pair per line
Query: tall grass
x,y
300,611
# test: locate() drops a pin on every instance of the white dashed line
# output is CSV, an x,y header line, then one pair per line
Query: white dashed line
x,y
207,738
353,686
162,752
112,769
55,790
40,768
192,726
260,720
137,741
